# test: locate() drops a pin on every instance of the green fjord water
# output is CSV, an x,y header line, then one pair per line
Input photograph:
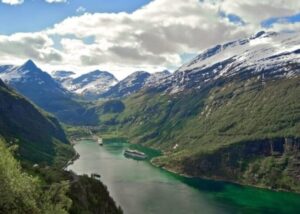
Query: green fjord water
x,y
140,187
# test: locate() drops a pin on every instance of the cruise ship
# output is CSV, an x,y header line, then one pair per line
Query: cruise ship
x,y
100,141
135,154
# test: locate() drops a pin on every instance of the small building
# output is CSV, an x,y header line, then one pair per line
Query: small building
x,y
95,176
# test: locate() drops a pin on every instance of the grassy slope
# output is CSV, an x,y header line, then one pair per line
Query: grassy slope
x,y
205,123
22,193
49,190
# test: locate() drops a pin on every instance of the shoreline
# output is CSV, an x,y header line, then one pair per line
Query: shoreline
x,y
221,180
170,170
74,142
71,161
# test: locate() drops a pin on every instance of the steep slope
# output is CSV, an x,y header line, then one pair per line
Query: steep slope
x,y
41,189
237,120
39,136
40,88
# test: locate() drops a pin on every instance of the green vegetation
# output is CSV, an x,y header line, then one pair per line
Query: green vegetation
x,y
22,193
40,186
47,190
39,135
221,124
88,195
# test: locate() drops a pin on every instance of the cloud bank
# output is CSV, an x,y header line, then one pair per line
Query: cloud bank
x,y
12,2
16,2
152,38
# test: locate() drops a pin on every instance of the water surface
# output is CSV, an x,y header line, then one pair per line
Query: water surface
x,y
140,187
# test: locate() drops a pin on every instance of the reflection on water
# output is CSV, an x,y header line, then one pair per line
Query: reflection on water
x,y
142,188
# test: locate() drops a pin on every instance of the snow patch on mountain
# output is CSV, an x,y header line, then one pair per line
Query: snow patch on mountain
x,y
89,85
265,55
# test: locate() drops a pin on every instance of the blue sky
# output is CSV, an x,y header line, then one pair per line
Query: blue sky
x,y
288,19
35,15
123,36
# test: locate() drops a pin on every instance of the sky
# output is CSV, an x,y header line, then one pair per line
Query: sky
x,y
123,36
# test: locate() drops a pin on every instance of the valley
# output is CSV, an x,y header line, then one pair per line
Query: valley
x,y
231,115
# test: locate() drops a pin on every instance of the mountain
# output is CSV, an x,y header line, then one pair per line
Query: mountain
x,y
131,84
265,55
39,87
62,76
134,83
157,77
91,84
232,113
38,135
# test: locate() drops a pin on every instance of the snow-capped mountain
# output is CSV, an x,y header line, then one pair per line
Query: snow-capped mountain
x,y
157,77
27,77
264,55
131,84
89,85
39,87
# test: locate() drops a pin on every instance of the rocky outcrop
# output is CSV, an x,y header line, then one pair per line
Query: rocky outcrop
x,y
242,162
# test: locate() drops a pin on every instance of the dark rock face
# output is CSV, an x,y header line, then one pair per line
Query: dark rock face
x,y
2,84
230,162
113,106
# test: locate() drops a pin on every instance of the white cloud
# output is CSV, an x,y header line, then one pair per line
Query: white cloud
x,y
151,38
16,2
154,35
56,1
80,9
12,2
255,11
37,46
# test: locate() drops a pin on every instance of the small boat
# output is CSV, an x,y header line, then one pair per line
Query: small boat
x,y
100,142
135,154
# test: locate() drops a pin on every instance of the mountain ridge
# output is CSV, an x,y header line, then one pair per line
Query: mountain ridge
x,y
39,87
91,84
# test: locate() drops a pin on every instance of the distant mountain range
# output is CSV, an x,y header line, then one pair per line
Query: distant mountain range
x,y
265,55
89,85
39,87
134,83
102,84
58,93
